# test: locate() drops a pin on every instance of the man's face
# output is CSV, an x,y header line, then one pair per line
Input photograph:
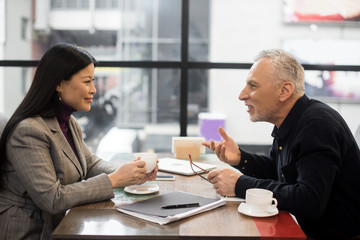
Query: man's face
x,y
260,94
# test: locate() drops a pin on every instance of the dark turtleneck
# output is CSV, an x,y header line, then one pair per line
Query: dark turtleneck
x,y
63,118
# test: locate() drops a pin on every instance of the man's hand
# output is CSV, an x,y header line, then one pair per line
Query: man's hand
x,y
227,151
224,181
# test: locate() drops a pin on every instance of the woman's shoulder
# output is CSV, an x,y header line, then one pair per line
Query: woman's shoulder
x,y
33,121
37,122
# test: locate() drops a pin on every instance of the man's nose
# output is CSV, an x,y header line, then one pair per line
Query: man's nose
x,y
243,94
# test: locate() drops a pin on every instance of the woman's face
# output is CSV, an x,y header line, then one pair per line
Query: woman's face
x,y
79,90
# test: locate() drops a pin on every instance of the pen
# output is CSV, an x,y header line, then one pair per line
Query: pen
x,y
186,205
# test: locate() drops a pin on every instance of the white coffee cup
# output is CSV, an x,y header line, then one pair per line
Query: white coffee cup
x,y
260,200
149,158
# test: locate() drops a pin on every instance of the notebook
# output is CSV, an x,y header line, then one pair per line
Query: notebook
x,y
151,209
182,167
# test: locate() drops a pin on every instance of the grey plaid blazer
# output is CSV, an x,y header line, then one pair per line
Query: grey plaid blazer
x,y
44,178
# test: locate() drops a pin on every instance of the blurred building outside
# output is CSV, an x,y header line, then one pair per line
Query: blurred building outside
x,y
137,109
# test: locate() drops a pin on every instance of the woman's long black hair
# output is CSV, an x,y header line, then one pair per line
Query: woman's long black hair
x,y
60,62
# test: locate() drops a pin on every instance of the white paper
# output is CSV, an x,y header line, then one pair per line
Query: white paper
x,y
233,199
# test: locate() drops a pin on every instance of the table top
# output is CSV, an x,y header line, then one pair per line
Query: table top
x,y
102,221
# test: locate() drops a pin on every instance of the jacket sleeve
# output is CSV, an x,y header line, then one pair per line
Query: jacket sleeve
x,y
259,166
255,168
32,151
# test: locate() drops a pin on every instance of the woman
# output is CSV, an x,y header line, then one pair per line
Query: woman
x,y
45,166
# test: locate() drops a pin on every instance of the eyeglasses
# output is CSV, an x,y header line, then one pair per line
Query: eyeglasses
x,y
199,174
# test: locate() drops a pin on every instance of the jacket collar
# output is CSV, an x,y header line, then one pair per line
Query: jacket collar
x,y
291,118
54,126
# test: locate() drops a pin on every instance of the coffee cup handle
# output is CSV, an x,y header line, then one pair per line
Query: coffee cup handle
x,y
275,203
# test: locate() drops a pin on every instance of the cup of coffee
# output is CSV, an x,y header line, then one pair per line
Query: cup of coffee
x,y
149,158
260,200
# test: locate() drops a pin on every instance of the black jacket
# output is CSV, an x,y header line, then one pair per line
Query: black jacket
x,y
313,168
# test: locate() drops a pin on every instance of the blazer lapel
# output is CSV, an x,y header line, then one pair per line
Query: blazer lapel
x,y
63,143
78,144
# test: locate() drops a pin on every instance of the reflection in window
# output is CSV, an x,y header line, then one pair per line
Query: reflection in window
x,y
144,30
69,4
333,86
107,4
197,94
24,28
199,30
133,29
150,30
25,83
168,96
132,99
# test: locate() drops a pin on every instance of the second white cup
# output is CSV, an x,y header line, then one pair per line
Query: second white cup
x,y
149,158
260,200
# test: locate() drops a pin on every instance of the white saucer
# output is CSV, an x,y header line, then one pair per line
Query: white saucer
x,y
142,189
244,209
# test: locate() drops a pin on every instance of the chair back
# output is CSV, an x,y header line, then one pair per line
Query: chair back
x,y
3,121
357,136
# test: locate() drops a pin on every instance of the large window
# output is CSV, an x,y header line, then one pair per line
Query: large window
x,y
70,4
164,62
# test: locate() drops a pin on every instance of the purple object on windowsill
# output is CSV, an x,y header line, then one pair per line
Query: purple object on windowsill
x,y
209,124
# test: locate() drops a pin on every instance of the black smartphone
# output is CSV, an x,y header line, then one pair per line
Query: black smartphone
x,y
165,177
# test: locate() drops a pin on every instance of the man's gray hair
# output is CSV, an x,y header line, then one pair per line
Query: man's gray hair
x,y
286,68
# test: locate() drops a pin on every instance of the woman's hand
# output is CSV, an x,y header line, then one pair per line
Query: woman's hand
x,y
129,174
132,173
152,175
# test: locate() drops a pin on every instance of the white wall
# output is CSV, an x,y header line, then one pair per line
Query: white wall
x,y
2,41
239,30
15,48
2,92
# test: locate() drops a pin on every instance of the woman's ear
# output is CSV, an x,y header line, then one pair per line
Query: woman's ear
x,y
59,87
287,90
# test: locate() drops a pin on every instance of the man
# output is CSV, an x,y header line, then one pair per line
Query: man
x,y
314,163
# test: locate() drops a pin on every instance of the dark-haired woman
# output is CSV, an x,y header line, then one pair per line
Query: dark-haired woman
x,y
45,166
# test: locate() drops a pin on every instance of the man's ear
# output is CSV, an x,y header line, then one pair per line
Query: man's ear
x,y
287,90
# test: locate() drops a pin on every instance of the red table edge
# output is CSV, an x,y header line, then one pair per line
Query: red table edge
x,y
282,226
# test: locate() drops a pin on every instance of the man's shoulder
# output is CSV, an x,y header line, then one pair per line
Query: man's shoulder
x,y
316,109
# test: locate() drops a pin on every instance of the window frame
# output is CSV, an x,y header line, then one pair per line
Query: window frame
x,y
184,65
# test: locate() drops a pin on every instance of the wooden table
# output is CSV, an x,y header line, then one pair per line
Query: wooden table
x,y
102,220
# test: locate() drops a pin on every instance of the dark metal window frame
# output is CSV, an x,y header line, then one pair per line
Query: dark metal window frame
x,y
184,65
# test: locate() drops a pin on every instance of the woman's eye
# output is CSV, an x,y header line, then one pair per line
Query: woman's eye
x,y
87,82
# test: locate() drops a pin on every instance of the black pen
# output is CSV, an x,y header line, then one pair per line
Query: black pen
x,y
186,205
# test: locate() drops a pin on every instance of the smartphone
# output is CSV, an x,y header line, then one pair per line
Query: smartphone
x,y
165,177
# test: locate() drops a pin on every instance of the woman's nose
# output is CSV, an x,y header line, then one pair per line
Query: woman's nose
x,y
93,88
